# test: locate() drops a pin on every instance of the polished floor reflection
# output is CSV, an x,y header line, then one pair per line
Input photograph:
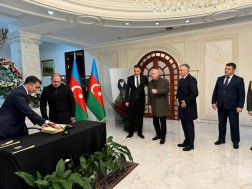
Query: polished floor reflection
x,y
168,167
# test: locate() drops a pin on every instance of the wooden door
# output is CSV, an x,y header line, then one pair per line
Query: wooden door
x,y
80,60
168,68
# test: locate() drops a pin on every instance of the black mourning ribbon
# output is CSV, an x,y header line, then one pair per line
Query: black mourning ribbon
x,y
122,88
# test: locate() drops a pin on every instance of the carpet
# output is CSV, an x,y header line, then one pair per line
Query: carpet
x,y
112,179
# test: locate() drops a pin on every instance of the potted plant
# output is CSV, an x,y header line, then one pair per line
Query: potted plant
x,y
61,178
101,163
87,173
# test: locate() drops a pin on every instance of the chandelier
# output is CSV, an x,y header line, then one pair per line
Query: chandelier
x,y
3,36
186,7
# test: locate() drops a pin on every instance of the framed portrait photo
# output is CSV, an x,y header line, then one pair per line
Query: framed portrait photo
x,y
47,67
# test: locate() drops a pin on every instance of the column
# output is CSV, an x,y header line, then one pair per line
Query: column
x,y
25,53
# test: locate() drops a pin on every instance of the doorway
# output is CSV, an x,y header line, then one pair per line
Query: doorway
x,y
168,69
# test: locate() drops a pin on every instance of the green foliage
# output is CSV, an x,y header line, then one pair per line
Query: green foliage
x,y
86,174
100,163
59,179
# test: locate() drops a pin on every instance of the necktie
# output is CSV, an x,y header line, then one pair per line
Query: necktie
x,y
182,80
137,82
226,82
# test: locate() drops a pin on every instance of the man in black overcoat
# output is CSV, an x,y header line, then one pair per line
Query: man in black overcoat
x,y
186,98
60,100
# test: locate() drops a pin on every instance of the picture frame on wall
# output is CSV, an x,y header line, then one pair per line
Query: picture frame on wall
x,y
47,67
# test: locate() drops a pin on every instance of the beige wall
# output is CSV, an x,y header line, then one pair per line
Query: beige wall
x,y
206,51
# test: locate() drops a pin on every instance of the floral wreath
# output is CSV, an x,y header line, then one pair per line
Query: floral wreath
x,y
11,76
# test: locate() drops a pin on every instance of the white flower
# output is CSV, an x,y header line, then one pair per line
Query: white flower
x,y
14,78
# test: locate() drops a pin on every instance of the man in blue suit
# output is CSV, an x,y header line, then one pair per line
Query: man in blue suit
x,y
228,97
16,107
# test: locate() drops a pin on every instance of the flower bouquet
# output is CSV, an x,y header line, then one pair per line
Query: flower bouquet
x,y
34,98
10,76
123,112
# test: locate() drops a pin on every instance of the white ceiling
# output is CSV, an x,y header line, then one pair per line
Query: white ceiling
x,y
88,23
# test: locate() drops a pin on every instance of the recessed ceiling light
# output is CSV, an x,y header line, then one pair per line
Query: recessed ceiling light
x,y
127,23
50,12
187,21
157,23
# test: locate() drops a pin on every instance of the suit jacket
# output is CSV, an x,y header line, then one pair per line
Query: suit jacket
x,y
231,97
61,103
159,101
188,91
133,93
249,97
13,112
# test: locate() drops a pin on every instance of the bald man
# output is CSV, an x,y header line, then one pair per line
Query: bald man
x,y
60,100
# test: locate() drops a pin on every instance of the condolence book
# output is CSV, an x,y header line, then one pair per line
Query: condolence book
x,y
50,130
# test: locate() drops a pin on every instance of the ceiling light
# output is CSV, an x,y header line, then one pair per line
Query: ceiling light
x,y
127,23
157,23
186,7
50,12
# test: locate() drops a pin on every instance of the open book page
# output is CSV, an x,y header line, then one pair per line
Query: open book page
x,y
50,130
64,126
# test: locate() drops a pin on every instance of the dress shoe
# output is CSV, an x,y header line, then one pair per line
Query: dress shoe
x,y
162,141
156,137
218,142
182,145
141,135
188,148
235,146
251,148
129,136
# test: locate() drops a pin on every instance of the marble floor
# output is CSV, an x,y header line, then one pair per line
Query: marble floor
x,y
168,167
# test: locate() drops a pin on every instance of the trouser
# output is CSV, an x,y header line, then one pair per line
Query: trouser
x,y
136,118
233,117
160,126
188,128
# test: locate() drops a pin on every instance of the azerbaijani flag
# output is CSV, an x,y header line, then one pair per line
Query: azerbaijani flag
x,y
94,98
75,85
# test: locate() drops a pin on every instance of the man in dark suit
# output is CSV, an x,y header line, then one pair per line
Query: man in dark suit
x,y
186,98
249,100
159,103
16,107
60,100
135,99
228,97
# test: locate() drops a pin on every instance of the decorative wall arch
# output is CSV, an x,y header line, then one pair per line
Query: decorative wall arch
x,y
143,51
168,69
